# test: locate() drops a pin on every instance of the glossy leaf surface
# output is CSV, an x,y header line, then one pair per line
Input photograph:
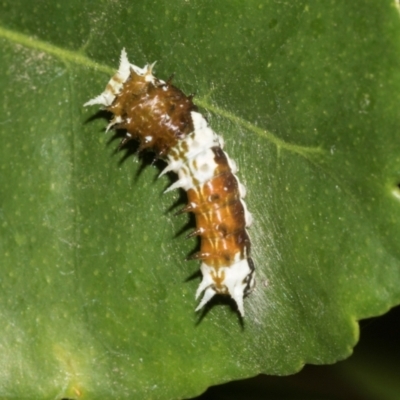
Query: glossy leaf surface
x,y
96,298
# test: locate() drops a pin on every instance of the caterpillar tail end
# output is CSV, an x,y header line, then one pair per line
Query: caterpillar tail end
x,y
236,280
210,293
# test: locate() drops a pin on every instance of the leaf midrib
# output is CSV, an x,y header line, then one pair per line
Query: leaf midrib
x,y
77,57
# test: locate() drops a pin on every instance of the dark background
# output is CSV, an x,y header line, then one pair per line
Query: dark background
x,y
371,373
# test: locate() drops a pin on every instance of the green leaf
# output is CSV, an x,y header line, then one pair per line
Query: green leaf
x,y
96,299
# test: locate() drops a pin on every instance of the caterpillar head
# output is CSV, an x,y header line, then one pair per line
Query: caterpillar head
x,y
152,111
236,280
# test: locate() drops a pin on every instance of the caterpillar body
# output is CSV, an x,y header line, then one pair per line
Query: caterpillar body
x,y
163,119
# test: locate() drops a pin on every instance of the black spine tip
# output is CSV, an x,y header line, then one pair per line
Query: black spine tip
x,y
183,210
196,232
170,79
123,142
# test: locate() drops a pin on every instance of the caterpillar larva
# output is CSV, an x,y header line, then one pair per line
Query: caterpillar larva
x,y
162,118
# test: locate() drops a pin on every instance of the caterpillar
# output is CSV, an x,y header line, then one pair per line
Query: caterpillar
x,y
163,119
